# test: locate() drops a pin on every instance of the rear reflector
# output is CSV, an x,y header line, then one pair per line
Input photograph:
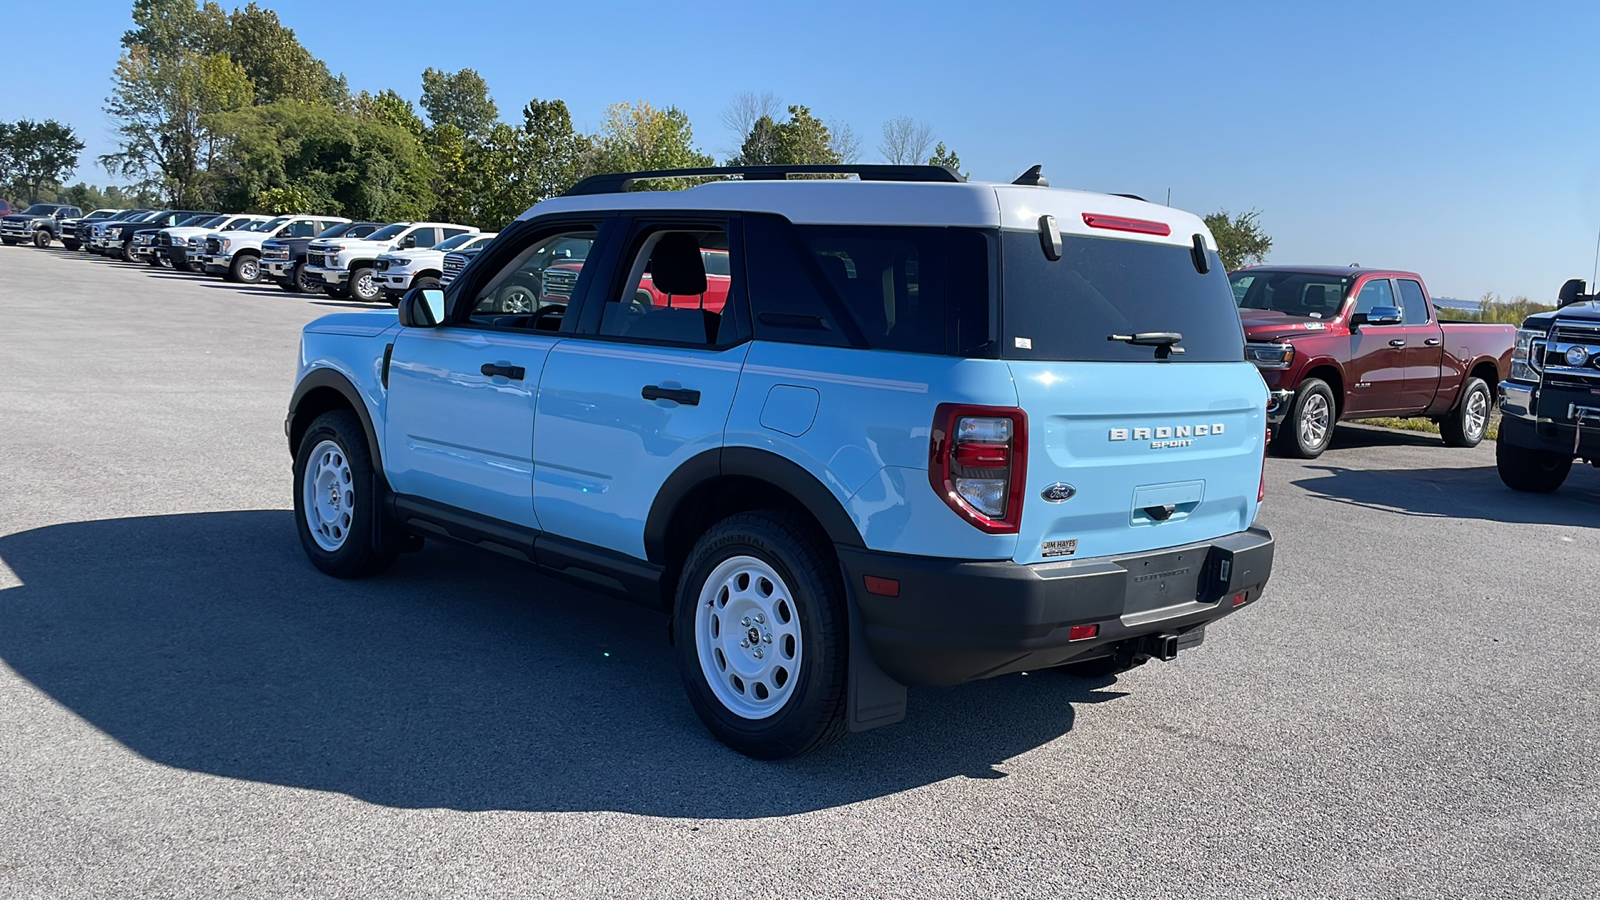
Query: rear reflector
x,y
883,587
1240,598
1117,223
1082,632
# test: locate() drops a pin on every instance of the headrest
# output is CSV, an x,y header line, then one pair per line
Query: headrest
x,y
1316,296
676,265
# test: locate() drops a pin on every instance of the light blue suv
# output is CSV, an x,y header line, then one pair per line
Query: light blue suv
x,y
852,433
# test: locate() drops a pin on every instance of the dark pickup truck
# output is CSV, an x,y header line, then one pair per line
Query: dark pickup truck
x,y
284,259
1351,343
1550,405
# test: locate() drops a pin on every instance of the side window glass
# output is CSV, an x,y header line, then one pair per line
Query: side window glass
x,y
1413,306
532,290
453,232
425,237
675,289
1376,293
302,228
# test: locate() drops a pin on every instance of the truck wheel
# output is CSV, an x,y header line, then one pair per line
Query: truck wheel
x,y
335,497
41,238
245,268
760,629
155,260
363,286
337,291
1308,429
127,250
1469,421
1531,470
297,282
71,244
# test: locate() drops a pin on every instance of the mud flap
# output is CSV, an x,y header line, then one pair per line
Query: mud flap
x,y
873,698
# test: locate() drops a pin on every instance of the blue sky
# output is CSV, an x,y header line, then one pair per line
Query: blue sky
x,y
1461,140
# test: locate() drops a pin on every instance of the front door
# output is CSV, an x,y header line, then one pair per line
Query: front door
x,y
647,384
1424,349
1377,370
460,422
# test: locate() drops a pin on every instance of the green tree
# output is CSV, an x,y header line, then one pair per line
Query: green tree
x,y
460,99
388,106
801,139
638,137
554,152
167,28
164,107
947,158
279,66
35,157
1241,241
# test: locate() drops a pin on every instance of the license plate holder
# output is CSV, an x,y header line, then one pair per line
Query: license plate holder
x,y
1163,579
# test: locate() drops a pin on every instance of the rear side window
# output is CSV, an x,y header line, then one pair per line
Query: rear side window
x,y
907,289
1413,306
1068,309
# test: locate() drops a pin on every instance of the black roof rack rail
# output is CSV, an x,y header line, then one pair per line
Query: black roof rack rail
x,y
622,181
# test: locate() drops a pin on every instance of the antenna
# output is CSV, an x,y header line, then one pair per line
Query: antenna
x,y
1169,203
1596,259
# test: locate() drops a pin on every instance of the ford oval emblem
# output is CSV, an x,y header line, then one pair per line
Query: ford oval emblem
x,y
1058,493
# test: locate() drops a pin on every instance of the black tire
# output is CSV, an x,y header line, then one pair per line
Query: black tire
x,y
425,281
1531,470
1297,436
295,283
154,259
337,291
1469,421
812,715
41,239
71,245
372,293
358,506
245,269
127,250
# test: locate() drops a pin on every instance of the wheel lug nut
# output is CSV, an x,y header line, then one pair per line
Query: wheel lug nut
x,y
744,645
745,621
759,654
767,637
761,618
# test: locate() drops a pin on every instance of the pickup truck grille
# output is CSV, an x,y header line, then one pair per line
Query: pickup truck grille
x,y
213,246
269,251
559,282
452,267
316,259
1563,337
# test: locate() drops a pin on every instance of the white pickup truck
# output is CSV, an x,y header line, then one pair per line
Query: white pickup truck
x,y
401,270
236,255
170,246
345,268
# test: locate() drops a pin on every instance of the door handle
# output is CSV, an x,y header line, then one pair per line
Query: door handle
x,y
515,373
1433,342
677,395
1397,343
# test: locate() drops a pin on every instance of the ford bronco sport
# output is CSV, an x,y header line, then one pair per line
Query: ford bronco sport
x,y
932,432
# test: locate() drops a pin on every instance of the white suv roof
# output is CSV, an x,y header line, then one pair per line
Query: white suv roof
x,y
835,201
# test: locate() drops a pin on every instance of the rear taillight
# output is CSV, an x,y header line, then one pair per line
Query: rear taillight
x,y
978,462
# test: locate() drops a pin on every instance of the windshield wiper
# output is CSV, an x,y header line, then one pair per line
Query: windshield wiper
x,y
1165,342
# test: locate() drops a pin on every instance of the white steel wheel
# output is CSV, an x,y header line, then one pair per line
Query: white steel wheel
x,y
329,497
747,637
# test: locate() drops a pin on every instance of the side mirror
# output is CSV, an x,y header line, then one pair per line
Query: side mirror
x,y
409,242
1380,315
421,308
1572,292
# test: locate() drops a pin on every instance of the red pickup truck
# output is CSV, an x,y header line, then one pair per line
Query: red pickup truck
x,y
1351,343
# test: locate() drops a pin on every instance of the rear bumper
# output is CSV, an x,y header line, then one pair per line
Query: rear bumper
x,y
956,620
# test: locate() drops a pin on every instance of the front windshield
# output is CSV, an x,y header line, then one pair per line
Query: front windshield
x,y
129,215
388,231
40,209
150,216
101,214
268,226
457,241
1307,294
201,221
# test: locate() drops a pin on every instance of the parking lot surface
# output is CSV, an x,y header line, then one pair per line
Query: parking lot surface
x,y
188,709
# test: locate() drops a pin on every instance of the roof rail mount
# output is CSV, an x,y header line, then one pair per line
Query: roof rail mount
x,y
1034,177
618,182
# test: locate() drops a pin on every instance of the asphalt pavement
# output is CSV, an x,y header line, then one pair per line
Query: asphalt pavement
x,y
188,709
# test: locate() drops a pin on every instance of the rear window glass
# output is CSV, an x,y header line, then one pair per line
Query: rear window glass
x,y
1068,309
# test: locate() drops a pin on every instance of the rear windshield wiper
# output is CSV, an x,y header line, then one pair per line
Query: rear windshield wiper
x,y
1165,342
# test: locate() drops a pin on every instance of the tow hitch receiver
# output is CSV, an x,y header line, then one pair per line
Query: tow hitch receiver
x,y
1160,646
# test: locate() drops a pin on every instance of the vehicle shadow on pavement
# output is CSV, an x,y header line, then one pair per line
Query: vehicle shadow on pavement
x,y
1474,493
207,642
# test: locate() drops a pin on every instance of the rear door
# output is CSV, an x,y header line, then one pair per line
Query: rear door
x,y
1424,349
645,384
1129,448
